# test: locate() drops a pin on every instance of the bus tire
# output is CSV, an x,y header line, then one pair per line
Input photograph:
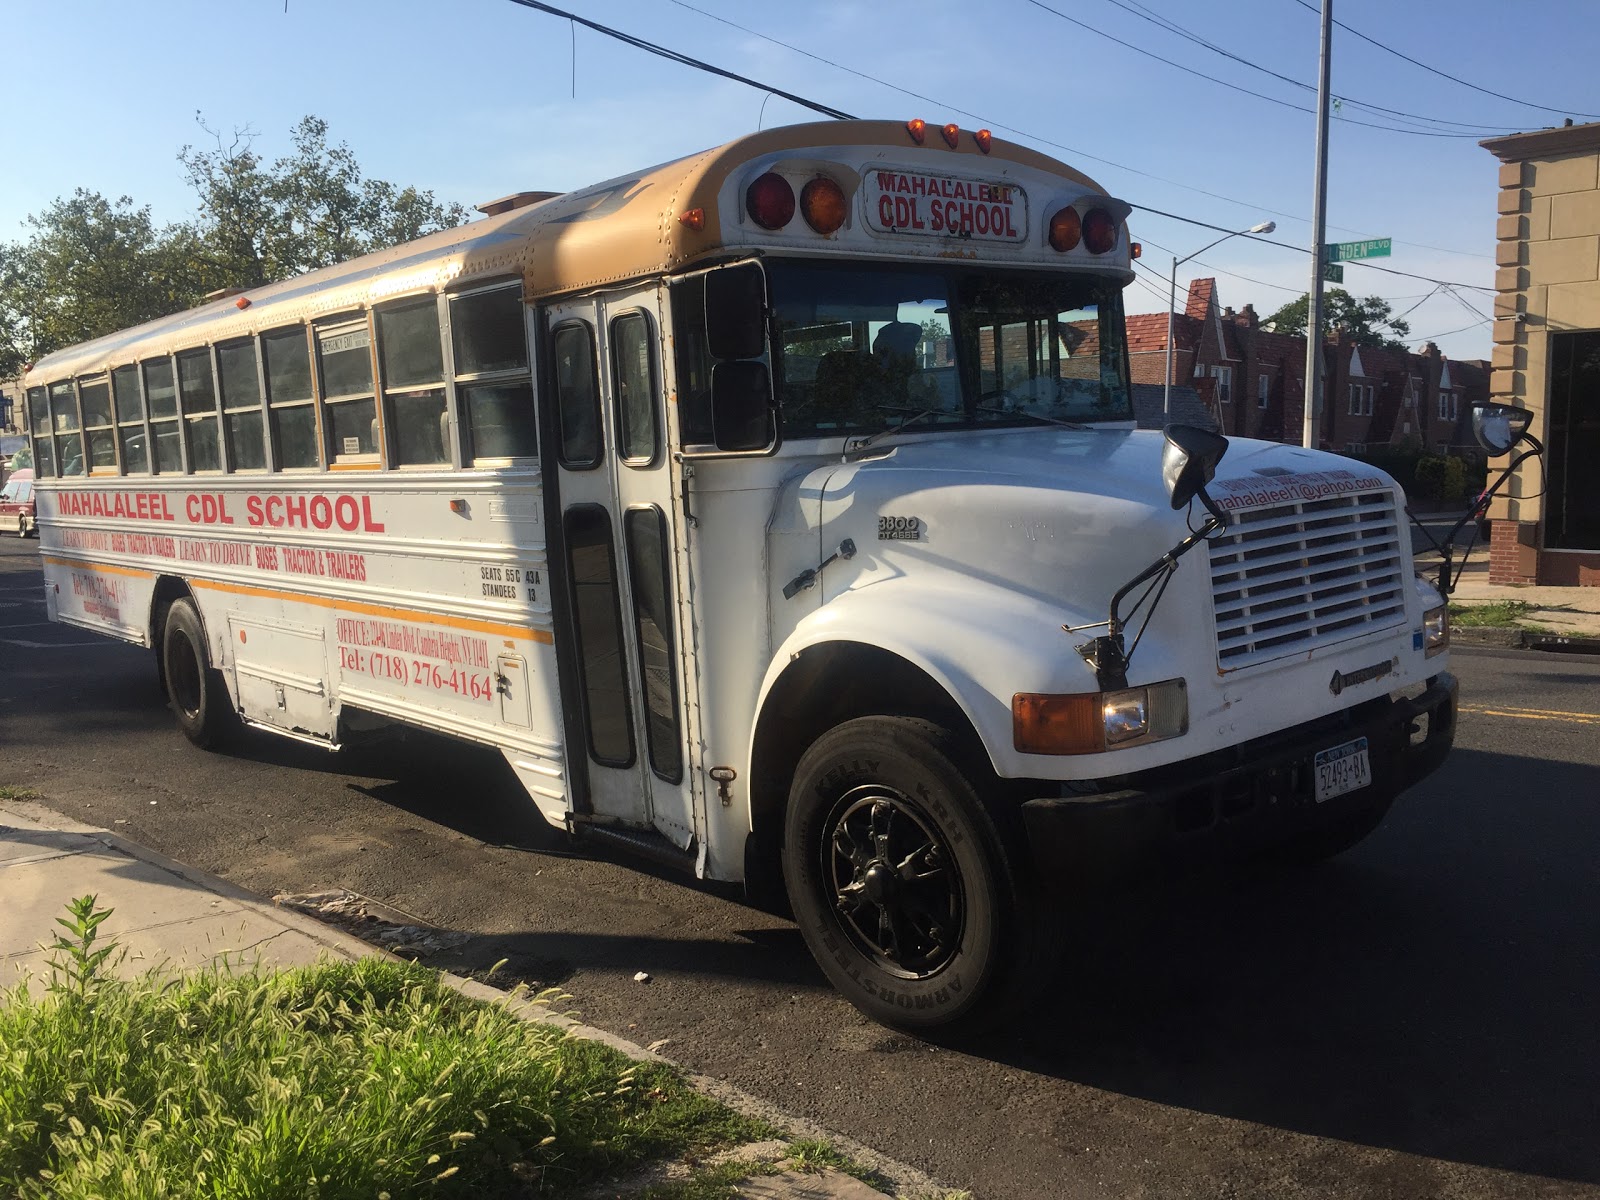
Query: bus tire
x,y
898,877
195,690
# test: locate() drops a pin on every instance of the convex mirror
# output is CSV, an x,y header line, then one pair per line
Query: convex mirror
x,y
1498,427
1189,461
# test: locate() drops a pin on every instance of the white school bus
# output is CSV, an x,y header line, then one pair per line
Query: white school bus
x,y
779,513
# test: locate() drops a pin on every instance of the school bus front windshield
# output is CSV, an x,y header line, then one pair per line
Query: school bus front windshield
x,y
862,349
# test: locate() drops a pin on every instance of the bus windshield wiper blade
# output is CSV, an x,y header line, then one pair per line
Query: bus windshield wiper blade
x,y
1032,416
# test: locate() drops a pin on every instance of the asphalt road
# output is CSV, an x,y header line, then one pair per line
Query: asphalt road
x,y
1417,1018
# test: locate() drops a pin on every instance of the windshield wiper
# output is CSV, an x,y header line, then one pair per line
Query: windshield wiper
x,y
885,432
1032,416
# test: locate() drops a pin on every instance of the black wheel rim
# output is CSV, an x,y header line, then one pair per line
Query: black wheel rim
x,y
895,887
184,674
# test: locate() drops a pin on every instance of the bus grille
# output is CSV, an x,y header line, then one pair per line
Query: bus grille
x,y
1293,577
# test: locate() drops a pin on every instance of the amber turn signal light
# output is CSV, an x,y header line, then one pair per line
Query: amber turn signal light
x,y
822,204
1046,724
1065,230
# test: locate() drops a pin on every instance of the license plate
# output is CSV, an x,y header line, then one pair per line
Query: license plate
x,y
1342,769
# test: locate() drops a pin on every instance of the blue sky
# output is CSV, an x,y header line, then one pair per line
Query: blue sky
x,y
478,98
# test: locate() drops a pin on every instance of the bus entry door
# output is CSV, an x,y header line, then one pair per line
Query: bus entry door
x,y
614,479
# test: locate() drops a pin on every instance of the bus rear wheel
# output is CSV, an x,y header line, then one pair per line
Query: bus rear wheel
x,y
898,877
195,690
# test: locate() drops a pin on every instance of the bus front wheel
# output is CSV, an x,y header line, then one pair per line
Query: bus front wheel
x,y
898,877
195,689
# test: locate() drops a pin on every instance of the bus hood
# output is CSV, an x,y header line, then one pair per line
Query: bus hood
x,y
1043,525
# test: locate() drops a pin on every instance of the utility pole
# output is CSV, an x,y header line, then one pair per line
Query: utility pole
x,y
1319,222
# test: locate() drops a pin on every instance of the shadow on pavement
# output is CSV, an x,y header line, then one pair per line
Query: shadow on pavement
x,y
1433,991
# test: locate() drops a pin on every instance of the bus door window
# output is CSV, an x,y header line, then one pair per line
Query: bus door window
x,y
592,572
290,402
132,440
44,456
349,405
161,398
197,394
649,577
634,387
577,395
94,395
239,376
64,420
494,389
411,365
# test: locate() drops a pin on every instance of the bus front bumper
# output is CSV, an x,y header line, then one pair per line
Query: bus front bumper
x,y
1241,800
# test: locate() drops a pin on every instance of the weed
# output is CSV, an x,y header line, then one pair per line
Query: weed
x,y
347,1079
1500,614
13,792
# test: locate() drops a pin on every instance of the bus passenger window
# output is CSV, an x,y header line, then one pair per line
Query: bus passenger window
x,y
649,575
44,460
95,397
241,404
69,442
494,391
199,398
130,421
289,399
577,397
161,397
411,359
344,354
634,388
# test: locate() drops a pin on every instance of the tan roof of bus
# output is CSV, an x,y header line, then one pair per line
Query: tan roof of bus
x,y
625,228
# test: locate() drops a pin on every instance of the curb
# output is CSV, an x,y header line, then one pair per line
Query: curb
x,y
1523,639
907,1180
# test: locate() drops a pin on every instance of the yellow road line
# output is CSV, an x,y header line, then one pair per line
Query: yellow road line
x,y
1532,714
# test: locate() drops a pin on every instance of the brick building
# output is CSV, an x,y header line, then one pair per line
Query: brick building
x,y
1547,352
1253,380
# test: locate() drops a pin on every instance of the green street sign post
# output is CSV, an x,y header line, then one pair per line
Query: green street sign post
x,y
1333,252
1332,273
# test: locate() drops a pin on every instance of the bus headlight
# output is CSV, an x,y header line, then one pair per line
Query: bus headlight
x,y
1436,631
1092,722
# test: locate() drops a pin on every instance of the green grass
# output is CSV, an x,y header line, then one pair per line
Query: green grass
x,y
1500,614
813,1154
11,792
349,1079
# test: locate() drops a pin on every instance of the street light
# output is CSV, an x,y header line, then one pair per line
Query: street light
x,y
1172,303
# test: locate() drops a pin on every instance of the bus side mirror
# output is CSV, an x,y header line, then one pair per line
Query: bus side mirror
x,y
1188,462
1499,427
736,312
741,406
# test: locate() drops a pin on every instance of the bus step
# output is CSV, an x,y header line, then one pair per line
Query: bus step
x,y
646,843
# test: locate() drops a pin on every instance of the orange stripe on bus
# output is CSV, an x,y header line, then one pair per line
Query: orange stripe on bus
x,y
379,610
83,566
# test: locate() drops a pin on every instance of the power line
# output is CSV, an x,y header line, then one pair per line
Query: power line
x,y
1170,26
1452,78
1234,86
1256,237
679,57
1044,141
1221,270
839,114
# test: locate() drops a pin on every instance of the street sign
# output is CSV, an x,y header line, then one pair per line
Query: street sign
x,y
1333,252
1332,273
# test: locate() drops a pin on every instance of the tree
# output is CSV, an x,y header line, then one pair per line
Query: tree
x,y
262,222
92,266
1362,320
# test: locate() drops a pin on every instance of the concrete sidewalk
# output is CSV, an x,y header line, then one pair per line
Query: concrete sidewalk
x,y
1571,611
172,916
